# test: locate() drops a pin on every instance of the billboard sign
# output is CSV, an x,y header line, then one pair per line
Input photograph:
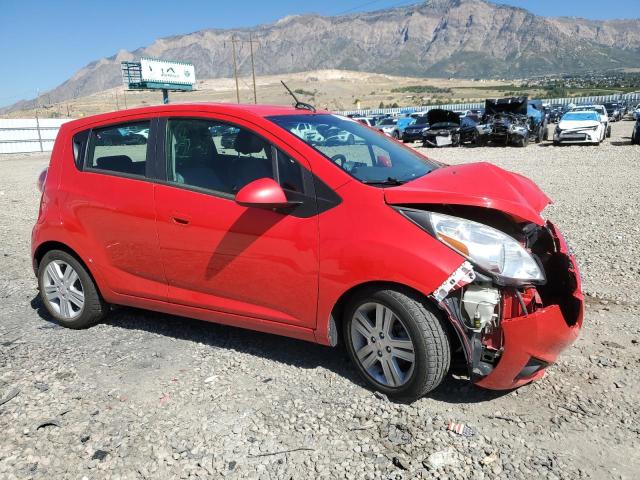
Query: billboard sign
x,y
162,72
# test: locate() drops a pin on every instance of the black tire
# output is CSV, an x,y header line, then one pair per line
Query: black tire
x,y
609,131
522,142
545,135
94,308
395,135
556,143
426,330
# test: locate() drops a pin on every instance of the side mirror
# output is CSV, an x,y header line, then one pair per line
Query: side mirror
x,y
263,193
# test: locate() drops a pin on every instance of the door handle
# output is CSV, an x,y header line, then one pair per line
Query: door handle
x,y
180,219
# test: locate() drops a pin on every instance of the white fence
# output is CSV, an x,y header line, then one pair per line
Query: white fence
x,y
20,135
597,100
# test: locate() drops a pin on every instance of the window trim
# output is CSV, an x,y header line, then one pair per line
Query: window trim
x,y
150,159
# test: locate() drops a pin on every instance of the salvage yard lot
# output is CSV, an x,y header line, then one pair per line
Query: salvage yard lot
x,y
145,395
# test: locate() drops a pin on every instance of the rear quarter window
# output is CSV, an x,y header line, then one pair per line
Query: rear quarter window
x,y
119,148
79,147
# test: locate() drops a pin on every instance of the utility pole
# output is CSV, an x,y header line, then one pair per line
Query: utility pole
x,y
235,67
253,70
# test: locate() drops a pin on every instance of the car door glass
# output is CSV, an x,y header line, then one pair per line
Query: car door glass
x,y
119,148
224,158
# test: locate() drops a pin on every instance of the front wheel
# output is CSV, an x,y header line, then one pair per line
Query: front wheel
x,y
68,291
397,341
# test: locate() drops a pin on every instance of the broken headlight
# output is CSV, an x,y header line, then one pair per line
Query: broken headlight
x,y
491,250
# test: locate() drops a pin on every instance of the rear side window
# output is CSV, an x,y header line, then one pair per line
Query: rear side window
x,y
79,147
119,148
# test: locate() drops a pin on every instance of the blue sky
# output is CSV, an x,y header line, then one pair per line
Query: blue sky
x,y
42,43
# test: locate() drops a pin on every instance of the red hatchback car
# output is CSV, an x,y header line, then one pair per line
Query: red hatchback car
x,y
309,225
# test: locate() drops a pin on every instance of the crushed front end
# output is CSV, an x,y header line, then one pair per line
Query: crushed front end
x,y
510,334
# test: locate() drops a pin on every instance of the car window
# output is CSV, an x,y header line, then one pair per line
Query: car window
x,y
119,148
79,144
365,154
217,156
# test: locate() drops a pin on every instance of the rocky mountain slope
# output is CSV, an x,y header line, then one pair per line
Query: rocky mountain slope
x,y
462,38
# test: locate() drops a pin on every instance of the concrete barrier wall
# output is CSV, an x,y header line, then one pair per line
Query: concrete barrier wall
x,y
21,135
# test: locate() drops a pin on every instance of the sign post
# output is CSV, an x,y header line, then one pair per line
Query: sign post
x,y
155,74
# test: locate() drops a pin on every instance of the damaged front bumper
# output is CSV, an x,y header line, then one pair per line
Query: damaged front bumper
x,y
530,325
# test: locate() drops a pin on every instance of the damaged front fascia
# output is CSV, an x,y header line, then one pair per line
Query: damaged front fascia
x,y
470,338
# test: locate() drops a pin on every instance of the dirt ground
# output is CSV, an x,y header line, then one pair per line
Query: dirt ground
x,y
145,395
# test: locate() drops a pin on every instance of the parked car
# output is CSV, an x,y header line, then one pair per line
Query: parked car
x,y
601,110
413,132
387,125
404,259
447,128
636,112
505,122
401,124
556,111
579,127
635,135
369,122
613,111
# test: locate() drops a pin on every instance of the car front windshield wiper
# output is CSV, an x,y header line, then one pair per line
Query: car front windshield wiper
x,y
389,181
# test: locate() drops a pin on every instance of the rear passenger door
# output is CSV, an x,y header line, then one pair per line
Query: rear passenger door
x,y
224,257
112,202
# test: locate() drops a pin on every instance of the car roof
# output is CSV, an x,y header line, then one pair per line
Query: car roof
x,y
204,107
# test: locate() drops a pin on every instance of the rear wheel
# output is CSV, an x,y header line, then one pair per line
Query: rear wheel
x,y
68,291
397,342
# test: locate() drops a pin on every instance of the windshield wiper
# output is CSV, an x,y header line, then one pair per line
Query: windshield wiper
x,y
389,181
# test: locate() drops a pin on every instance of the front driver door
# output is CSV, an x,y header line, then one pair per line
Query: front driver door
x,y
221,256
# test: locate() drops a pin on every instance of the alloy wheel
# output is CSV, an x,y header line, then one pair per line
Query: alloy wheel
x,y
382,344
63,289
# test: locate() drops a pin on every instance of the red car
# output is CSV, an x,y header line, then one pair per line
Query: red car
x,y
330,233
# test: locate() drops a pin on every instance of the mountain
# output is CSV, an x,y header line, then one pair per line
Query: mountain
x,y
437,38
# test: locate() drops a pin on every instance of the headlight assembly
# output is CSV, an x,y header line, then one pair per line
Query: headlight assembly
x,y
492,251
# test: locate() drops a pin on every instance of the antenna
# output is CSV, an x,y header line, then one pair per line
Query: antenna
x,y
299,105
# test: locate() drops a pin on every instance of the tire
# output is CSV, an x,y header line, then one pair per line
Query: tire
x,y
521,142
395,135
609,131
545,135
412,320
67,311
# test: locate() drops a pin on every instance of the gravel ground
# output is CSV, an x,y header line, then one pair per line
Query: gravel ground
x,y
145,395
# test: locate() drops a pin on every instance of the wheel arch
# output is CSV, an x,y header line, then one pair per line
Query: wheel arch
x,y
49,245
337,312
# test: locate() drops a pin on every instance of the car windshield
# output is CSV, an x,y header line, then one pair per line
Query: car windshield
x,y
363,153
420,121
387,121
585,115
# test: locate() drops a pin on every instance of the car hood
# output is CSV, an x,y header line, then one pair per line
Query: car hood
x,y
577,124
474,184
438,115
516,105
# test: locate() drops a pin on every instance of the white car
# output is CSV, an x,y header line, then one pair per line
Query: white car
x,y
307,132
604,117
387,125
580,127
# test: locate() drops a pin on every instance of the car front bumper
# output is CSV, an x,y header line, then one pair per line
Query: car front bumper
x,y
533,341
535,324
590,136
412,136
